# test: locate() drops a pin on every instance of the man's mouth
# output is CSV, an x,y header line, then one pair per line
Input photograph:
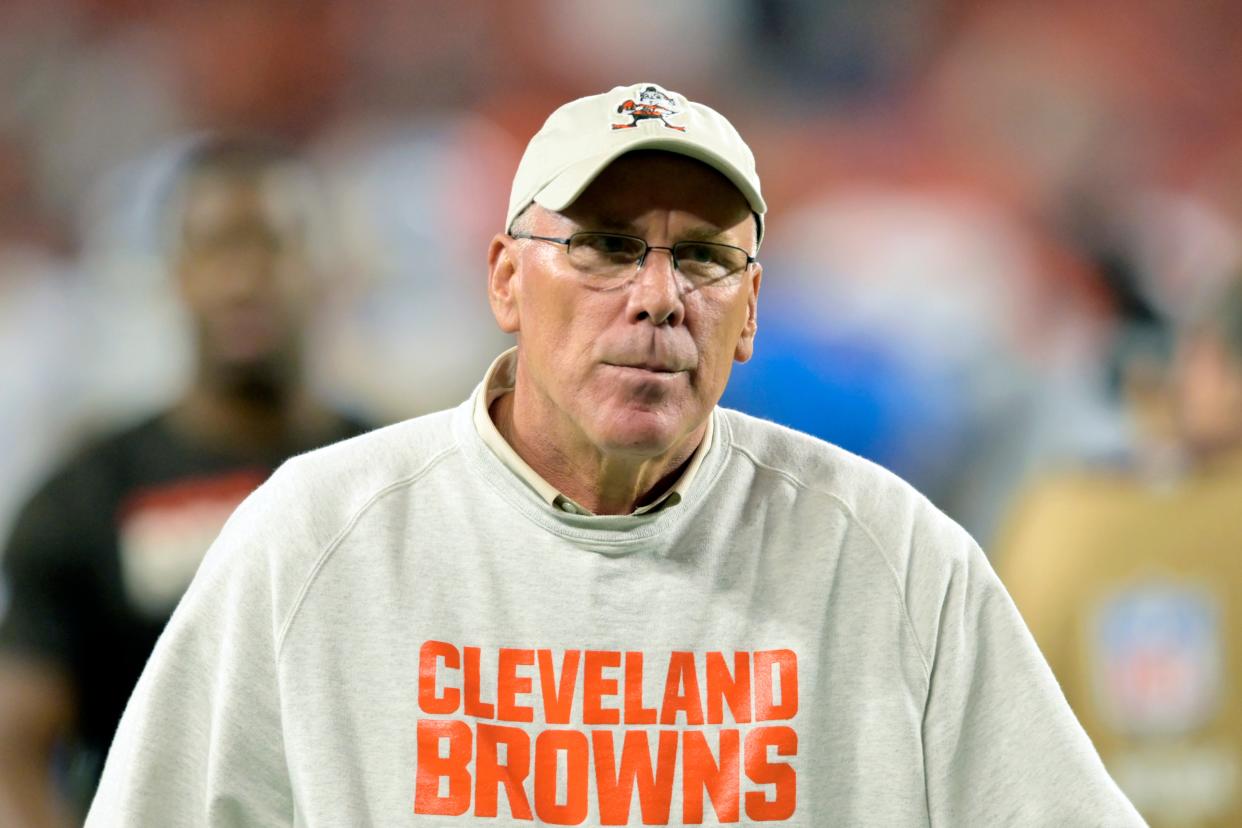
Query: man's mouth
x,y
649,367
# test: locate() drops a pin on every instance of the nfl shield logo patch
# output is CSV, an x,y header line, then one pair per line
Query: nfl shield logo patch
x,y
1157,658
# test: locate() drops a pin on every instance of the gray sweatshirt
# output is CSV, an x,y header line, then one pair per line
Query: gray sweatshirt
x,y
397,630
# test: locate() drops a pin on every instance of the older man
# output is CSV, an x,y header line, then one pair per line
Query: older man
x,y
588,595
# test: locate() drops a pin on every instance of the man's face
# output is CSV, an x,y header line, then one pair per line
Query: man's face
x,y
243,274
1209,393
632,369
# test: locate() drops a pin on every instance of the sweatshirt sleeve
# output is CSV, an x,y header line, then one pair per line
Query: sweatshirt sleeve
x,y
200,742
1001,745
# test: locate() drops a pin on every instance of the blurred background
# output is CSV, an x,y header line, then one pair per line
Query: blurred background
x,y
974,204
989,220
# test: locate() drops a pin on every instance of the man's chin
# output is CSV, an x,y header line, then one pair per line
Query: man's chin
x,y
258,380
640,432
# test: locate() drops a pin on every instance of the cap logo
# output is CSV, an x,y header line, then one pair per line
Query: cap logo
x,y
652,103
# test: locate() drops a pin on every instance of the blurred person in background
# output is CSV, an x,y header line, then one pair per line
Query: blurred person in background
x,y
101,554
1129,578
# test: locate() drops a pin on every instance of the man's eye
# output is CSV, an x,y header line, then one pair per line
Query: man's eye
x,y
613,246
610,245
707,256
699,253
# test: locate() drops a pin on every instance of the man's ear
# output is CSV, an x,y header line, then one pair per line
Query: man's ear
x,y
503,283
745,347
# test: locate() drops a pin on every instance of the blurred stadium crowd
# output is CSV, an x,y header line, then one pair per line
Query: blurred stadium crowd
x,y
987,220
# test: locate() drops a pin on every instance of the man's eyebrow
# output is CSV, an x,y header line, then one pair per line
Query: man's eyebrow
x,y
703,232
611,224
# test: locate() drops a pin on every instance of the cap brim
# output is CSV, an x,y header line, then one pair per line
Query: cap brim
x,y
565,188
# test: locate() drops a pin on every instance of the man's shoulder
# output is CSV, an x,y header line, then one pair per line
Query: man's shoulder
x,y
889,509
352,471
315,497
67,521
94,469
809,461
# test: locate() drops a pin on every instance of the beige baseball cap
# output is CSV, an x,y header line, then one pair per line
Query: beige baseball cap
x,y
584,136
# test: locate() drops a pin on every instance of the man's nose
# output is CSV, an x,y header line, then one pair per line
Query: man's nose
x,y
655,293
247,273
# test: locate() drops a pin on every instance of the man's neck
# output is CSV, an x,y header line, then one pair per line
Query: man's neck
x,y
606,484
248,425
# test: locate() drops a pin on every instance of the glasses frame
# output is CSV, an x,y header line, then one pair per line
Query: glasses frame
x,y
647,247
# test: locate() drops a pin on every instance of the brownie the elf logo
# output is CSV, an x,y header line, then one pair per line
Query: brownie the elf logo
x,y
559,736
652,104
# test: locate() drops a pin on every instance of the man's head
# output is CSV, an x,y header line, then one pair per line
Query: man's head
x,y
633,363
240,224
1209,375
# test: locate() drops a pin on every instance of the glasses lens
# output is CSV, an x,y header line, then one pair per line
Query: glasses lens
x,y
707,262
604,254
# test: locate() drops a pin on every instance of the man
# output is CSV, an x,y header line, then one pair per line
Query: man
x,y
100,555
588,595
1129,583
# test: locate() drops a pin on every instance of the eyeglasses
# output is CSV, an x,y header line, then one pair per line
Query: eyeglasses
x,y
612,259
